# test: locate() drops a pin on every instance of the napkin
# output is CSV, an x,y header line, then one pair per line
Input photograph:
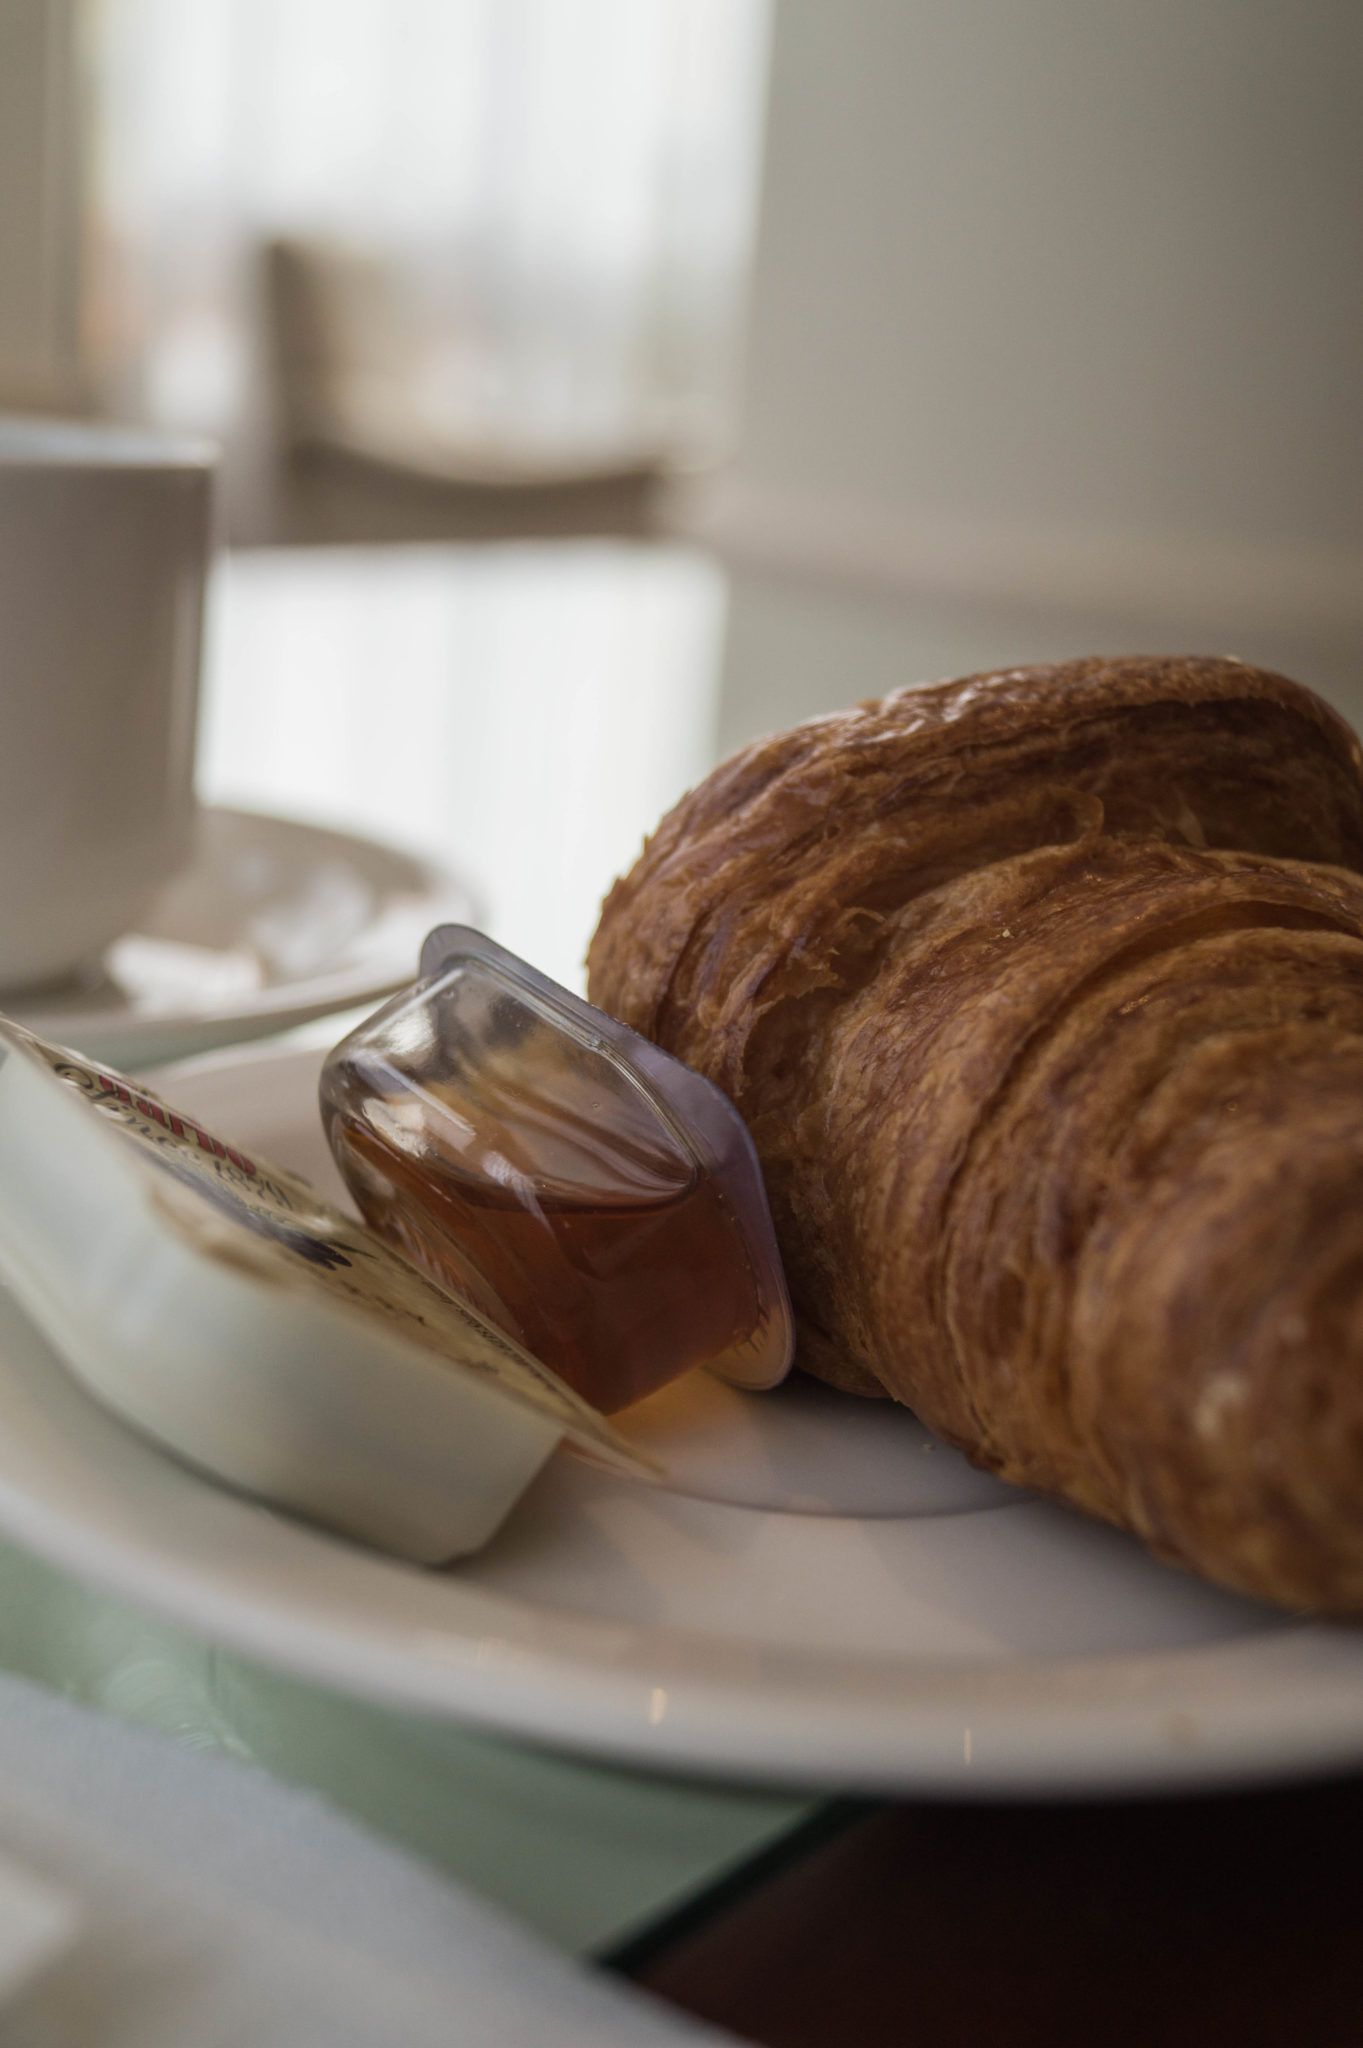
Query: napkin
x,y
154,1896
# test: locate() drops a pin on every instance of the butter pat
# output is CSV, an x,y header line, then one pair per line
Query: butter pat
x,y
220,1306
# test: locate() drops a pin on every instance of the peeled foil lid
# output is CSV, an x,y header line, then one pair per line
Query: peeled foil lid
x,y
270,1226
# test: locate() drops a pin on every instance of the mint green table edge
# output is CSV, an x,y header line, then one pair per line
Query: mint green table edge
x,y
585,1854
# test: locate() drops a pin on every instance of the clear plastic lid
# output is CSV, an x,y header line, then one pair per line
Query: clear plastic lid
x,y
592,1196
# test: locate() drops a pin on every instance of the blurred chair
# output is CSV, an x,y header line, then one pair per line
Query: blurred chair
x,y
367,453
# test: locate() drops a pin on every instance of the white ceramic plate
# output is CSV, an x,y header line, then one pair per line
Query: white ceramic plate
x,y
274,922
823,1596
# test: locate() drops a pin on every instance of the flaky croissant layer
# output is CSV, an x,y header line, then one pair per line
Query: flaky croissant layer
x,y
1042,996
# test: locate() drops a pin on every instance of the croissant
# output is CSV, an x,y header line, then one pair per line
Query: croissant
x,y
1041,994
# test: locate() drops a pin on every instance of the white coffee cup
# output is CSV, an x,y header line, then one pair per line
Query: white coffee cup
x,y
104,539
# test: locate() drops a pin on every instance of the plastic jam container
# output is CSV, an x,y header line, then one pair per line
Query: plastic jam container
x,y
593,1197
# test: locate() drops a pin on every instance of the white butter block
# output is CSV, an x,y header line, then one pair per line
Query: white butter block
x,y
219,1305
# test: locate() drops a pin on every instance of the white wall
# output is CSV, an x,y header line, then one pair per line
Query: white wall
x,y
1058,317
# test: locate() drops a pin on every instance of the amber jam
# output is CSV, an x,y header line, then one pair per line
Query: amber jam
x,y
528,1173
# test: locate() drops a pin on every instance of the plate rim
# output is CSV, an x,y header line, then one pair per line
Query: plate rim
x,y
938,1731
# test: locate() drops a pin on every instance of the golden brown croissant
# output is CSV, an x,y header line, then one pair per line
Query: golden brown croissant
x,y
1042,995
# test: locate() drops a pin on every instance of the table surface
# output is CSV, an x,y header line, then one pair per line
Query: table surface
x,y
525,713
1198,1923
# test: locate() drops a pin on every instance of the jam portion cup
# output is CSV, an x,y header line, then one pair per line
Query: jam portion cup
x,y
592,1196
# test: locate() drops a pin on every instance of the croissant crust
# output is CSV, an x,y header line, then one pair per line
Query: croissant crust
x,y
1042,996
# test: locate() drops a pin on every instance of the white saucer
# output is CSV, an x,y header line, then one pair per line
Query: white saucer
x,y
819,1596
274,923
